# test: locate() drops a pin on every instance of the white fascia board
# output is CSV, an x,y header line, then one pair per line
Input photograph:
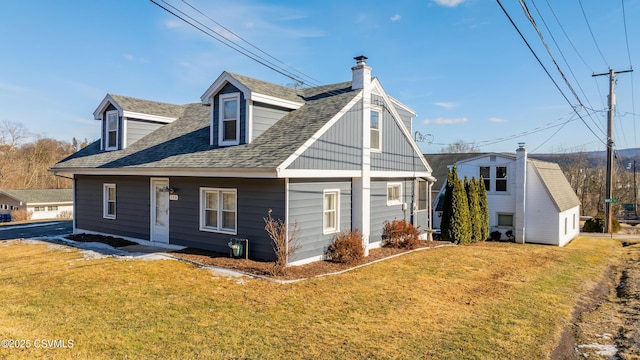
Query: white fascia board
x,y
375,83
150,117
403,106
402,174
161,172
272,100
318,134
318,173
220,82
97,114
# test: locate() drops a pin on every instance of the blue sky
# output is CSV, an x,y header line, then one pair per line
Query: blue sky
x,y
459,64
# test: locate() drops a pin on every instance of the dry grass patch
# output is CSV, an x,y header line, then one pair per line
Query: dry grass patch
x,y
489,300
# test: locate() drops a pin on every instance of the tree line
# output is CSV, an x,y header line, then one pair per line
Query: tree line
x,y
25,159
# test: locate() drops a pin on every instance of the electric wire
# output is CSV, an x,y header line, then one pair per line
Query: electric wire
x,y
546,71
567,36
633,104
591,32
312,80
563,57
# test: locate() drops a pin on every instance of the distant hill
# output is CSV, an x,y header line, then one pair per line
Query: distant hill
x,y
593,158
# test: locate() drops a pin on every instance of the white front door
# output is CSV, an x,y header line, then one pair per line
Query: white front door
x,y
160,210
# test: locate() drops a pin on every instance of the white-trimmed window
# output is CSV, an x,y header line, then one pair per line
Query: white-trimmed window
x,y
394,193
376,130
485,174
111,142
109,201
52,208
229,119
39,208
501,178
218,210
331,211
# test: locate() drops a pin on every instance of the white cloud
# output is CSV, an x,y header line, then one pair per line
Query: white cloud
x,y
446,105
496,120
445,121
449,3
395,17
133,58
172,24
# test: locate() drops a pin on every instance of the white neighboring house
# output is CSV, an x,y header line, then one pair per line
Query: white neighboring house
x,y
40,203
531,198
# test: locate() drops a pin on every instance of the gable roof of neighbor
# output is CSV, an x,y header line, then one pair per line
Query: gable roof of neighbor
x,y
440,164
147,106
556,184
41,196
184,143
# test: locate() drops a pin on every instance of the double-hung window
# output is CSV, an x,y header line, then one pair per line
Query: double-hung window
x,y
218,210
112,130
501,178
331,212
394,194
485,174
229,119
376,132
109,201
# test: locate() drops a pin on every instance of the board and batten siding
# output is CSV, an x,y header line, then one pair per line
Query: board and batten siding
x,y
132,205
306,208
264,116
381,212
137,129
227,89
254,199
339,148
397,153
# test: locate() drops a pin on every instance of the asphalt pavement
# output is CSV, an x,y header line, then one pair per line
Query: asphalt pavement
x,y
36,229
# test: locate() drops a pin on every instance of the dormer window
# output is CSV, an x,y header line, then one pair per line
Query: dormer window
x,y
229,118
111,130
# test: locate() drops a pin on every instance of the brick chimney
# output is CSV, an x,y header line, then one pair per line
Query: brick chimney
x,y
521,194
361,73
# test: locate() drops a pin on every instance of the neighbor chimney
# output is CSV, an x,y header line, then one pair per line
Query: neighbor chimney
x,y
361,73
521,194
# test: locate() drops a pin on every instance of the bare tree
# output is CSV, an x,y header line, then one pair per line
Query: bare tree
x,y
460,146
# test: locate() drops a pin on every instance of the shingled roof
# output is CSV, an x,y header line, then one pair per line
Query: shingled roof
x,y
41,196
185,143
556,184
148,107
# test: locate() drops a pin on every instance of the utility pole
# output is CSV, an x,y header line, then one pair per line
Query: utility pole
x,y
609,180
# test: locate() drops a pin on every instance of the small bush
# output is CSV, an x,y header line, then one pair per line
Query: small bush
x,y
495,235
346,248
596,224
66,214
21,215
400,234
284,243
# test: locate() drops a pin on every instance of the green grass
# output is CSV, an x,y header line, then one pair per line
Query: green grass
x,y
490,300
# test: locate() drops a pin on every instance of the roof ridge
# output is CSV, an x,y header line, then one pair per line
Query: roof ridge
x,y
147,100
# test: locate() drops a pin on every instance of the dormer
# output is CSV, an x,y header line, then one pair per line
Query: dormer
x,y
125,120
242,108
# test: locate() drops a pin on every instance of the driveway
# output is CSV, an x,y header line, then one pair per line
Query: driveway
x,y
36,229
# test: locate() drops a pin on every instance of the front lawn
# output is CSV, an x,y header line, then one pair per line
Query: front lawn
x,y
488,300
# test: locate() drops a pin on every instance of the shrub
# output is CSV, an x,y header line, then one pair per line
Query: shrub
x,y
283,246
66,214
346,248
400,234
596,224
495,235
21,215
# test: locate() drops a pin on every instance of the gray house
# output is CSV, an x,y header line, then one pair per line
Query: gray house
x,y
329,158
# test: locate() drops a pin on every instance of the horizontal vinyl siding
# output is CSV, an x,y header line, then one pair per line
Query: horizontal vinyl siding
x,y
406,118
264,116
255,198
380,212
137,129
132,205
339,148
306,208
543,223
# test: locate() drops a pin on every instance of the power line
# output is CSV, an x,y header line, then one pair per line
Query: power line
x,y
633,104
567,36
545,69
591,32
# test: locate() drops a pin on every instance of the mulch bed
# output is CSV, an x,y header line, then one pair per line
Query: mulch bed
x,y
260,268
109,240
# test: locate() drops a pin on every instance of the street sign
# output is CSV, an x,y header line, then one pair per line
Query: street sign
x,y
611,200
628,207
